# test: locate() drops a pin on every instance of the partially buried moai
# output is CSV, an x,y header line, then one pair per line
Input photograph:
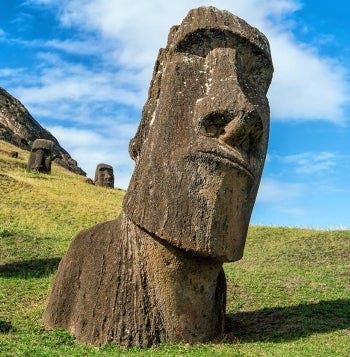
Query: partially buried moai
x,y
104,176
155,273
89,181
40,156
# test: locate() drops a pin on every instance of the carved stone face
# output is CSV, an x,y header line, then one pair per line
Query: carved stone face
x,y
104,176
201,145
40,156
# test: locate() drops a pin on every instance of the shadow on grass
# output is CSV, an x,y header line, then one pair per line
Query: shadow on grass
x,y
35,268
288,323
5,326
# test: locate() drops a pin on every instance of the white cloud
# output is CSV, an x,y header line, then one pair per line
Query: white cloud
x,y
77,137
272,191
42,2
58,80
311,163
81,47
282,197
9,72
305,86
126,36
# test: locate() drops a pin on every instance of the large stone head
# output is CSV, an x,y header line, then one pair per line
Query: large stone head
x,y
201,144
104,176
40,156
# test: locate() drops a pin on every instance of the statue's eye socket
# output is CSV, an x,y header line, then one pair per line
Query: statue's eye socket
x,y
255,69
202,41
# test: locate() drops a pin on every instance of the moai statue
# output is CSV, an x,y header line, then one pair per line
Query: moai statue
x,y
104,176
40,156
155,273
89,181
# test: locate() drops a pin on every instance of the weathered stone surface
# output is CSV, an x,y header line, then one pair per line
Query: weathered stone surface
x,y
117,284
104,176
155,273
40,156
18,127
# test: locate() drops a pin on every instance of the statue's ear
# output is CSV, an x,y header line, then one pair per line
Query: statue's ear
x,y
149,109
133,149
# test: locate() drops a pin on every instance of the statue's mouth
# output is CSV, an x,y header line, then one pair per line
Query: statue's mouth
x,y
228,159
216,151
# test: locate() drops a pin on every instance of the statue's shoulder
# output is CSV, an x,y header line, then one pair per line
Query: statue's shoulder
x,y
99,230
92,240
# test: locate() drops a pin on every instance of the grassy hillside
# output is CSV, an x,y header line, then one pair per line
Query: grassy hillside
x,y
288,296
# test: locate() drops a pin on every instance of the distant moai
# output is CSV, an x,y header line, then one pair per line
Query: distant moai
x,y
104,176
40,156
155,273
89,181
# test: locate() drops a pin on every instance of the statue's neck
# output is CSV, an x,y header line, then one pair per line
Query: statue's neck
x,y
190,291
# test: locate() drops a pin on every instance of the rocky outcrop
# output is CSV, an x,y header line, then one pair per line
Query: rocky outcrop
x,y
18,127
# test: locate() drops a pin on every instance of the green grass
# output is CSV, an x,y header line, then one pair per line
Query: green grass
x,y
288,296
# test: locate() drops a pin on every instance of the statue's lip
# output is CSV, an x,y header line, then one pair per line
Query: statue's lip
x,y
227,157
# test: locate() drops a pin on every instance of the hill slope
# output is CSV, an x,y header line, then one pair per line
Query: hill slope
x,y
289,295
18,127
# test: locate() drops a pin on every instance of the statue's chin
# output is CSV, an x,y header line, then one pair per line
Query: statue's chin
x,y
200,206
222,198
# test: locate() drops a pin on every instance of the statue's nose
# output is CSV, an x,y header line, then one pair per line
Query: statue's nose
x,y
225,112
108,176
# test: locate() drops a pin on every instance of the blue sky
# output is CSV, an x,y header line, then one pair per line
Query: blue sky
x,y
83,68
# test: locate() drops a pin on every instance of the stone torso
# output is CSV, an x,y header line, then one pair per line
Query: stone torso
x,y
120,285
